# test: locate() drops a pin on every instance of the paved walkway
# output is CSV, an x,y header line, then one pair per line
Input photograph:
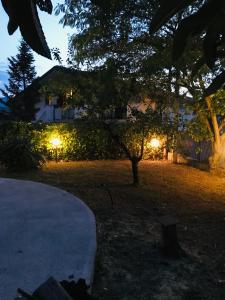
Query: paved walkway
x,y
44,231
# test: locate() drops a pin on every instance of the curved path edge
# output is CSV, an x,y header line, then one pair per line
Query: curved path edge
x,y
44,231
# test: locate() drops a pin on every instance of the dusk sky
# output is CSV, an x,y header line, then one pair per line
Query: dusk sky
x,y
56,36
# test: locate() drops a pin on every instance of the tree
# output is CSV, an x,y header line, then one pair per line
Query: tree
x,y
208,124
20,101
121,29
119,34
111,31
133,136
105,91
23,14
116,37
208,110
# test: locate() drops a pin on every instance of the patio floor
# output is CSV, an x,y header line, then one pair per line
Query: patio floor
x,y
44,231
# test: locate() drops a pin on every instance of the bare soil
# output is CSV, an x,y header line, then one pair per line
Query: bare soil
x,y
129,263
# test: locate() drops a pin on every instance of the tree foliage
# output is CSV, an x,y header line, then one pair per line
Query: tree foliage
x,y
21,72
207,21
111,31
115,40
18,147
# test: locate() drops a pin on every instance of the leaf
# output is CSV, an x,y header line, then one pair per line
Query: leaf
x,y
12,27
217,84
33,34
24,14
191,26
200,62
167,10
211,41
45,5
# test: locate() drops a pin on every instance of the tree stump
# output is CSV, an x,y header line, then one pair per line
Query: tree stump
x,y
170,245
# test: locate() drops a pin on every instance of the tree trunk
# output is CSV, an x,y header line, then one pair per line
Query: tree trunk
x,y
134,163
217,159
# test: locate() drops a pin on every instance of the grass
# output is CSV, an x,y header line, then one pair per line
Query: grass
x,y
129,264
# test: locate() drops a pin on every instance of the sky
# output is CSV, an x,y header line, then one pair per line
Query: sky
x,y
56,36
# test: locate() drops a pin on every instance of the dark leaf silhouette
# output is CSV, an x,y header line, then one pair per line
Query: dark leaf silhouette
x,y
23,14
216,84
208,19
167,10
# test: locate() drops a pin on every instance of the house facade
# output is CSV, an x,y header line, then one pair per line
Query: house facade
x,y
57,100
51,111
53,87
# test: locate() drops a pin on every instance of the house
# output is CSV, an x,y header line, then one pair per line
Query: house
x,y
59,98
55,89
49,93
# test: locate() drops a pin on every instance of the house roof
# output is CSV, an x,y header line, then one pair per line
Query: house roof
x,y
56,72
60,69
64,70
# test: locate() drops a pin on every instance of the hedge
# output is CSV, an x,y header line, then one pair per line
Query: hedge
x,y
82,140
22,143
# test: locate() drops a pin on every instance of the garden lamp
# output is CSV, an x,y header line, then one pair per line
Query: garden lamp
x,y
155,143
56,143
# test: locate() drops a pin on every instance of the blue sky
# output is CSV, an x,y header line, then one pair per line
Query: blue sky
x,y
56,36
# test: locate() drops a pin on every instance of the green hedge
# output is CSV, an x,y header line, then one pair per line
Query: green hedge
x,y
82,140
23,145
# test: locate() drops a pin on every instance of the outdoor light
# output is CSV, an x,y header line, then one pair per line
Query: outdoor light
x,y
155,143
56,143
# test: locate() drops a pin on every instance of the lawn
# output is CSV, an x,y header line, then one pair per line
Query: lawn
x,y
129,263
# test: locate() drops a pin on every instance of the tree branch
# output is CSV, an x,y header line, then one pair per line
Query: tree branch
x,y
142,149
222,125
117,139
209,128
216,132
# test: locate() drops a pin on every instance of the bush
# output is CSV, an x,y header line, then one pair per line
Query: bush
x,y
23,145
79,141
18,149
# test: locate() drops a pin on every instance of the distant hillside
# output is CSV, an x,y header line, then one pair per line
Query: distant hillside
x,y
3,78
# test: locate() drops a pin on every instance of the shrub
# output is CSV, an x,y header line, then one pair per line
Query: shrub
x,y
23,145
79,141
18,149
64,132
94,142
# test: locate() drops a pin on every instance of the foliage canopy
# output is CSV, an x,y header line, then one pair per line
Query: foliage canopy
x,y
207,21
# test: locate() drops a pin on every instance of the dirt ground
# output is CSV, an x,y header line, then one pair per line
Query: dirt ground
x,y
129,263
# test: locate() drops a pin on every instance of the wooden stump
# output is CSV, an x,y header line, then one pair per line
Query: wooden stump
x,y
170,245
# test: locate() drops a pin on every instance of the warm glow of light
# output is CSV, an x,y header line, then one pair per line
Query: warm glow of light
x,y
155,143
56,142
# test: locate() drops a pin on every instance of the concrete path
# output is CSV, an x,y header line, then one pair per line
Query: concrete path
x,y
44,231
